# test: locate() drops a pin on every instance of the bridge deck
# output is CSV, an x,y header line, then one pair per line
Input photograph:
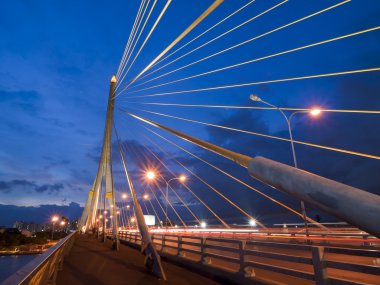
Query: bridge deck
x,y
93,262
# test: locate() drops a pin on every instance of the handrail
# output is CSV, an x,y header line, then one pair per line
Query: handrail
x,y
313,257
26,274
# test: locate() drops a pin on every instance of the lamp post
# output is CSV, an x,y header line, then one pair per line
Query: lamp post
x,y
54,219
151,175
314,112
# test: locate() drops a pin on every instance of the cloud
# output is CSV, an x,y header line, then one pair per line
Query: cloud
x,y
17,185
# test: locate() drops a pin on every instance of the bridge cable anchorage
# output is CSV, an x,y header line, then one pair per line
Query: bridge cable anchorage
x,y
146,39
186,186
134,46
128,41
216,38
360,154
353,205
208,11
322,75
201,34
134,36
211,187
254,107
151,190
249,40
255,60
237,180
152,260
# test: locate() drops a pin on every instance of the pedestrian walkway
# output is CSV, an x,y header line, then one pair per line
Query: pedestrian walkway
x,y
93,262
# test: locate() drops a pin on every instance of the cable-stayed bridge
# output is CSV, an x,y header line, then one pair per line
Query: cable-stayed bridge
x,y
184,175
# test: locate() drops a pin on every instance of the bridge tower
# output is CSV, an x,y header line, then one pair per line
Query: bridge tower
x,y
90,213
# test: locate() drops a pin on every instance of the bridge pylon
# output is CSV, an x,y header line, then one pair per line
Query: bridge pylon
x,y
90,212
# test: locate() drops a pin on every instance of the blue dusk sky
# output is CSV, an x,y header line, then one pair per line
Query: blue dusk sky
x,y
57,58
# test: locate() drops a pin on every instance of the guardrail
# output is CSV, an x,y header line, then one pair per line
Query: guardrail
x,y
249,261
44,268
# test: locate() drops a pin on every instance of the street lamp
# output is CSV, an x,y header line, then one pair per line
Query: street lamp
x,y
203,225
124,196
146,196
313,112
54,219
182,178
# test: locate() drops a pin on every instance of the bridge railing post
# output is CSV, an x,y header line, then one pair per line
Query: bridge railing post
x,y
203,250
241,256
163,243
179,246
319,264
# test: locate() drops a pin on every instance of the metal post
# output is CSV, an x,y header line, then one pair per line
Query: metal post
x,y
288,122
52,232
104,218
319,264
167,204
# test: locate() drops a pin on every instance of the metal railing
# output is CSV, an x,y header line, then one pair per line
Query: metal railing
x,y
270,262
44,268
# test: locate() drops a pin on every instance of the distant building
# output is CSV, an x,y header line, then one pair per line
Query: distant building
x,y
29,226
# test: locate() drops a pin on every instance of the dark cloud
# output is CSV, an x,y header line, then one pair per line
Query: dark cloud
x,y
15,185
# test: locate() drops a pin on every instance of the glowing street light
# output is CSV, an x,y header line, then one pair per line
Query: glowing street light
x,y
63,223
124,196
150,175
101,217
128,206
203,225
118,212
182,178
314,112
146,196
133,220
54,219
